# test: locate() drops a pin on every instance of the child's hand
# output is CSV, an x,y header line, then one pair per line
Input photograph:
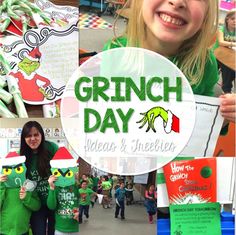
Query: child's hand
x,y
51,181
3,178
22,193
228,106
76,214
77,176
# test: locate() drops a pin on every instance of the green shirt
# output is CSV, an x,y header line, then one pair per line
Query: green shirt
x,y
15,213
42,183
228,36
106,185
90,183
85,196
64,200
95,181
210,77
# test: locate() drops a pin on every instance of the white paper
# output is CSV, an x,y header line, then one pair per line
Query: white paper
x,y
225,179
234,191
207,128
66,13
141,179
117,202
100,197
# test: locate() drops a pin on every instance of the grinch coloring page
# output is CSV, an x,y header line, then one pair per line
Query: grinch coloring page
x,y
45,62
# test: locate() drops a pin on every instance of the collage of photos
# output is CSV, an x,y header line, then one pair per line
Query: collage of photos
x,y
117,117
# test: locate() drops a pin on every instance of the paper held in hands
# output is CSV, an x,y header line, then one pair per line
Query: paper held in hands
x,y
117,202
195,219
100,197
29,185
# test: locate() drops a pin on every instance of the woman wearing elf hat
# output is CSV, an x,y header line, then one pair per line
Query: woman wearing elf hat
x,y
17,198
38,154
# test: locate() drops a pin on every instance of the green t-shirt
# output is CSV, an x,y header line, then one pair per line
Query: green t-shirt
x,y
210,77
64,200
85,196
90,183
42,183
228,36
106,185
111,181
95,181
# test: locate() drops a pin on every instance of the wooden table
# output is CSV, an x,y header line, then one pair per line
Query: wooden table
x,y
74,3
226,56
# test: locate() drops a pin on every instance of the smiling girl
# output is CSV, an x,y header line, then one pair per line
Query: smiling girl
x,y
182,31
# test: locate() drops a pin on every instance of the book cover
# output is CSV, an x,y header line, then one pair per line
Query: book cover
x,y
191,181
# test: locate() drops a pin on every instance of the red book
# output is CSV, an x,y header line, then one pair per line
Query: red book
x,y
191,181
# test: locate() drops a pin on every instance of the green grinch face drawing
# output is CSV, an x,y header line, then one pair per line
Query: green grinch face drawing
x,y
65,176
64,167
28,66
14,168
16,175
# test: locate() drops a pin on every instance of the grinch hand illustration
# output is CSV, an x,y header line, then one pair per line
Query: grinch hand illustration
x,y
31,84
170,121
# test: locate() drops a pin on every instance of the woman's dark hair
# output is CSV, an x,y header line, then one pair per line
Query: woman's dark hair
x,y
149,186
43,165
105,177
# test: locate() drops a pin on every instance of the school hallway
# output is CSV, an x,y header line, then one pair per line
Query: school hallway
x,y
103,222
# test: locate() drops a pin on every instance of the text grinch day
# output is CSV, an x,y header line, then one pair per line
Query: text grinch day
x,y
96,89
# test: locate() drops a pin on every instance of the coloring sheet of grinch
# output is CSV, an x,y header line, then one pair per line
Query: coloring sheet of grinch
x,y
61,14
45,63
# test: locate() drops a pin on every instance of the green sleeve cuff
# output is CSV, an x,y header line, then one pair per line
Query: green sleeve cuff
x,y
27,197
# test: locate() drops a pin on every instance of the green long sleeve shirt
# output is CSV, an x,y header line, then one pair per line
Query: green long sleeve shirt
x,y
15,213
64,201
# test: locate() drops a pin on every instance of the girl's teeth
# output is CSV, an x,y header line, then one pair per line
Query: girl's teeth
x,y
170,19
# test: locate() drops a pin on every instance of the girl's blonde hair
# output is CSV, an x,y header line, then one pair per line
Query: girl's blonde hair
x,y
193,53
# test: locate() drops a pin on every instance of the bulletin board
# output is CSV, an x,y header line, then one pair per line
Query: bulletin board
x,y
227,5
